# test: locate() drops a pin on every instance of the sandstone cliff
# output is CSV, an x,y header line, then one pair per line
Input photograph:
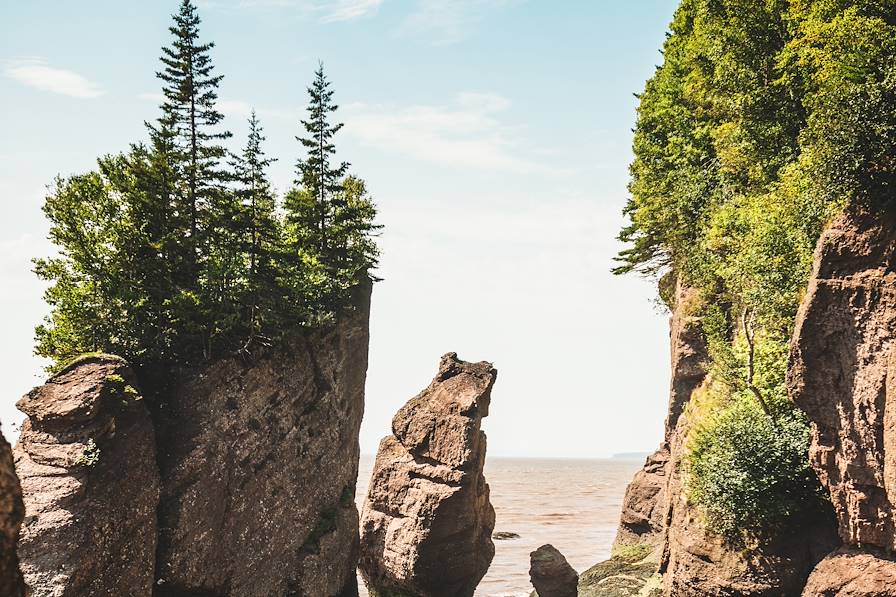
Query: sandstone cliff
x,y
86,459
427,521
660,524
259,461
843,375
250,492
11,512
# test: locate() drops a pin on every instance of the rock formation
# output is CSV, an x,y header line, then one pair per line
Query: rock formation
x,y
843,375
11,512
551,574
660,524
427,521
645,509
86,460
252,483
259,461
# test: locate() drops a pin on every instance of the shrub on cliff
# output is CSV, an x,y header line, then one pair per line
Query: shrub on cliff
x,y
764,119
170,254
746,471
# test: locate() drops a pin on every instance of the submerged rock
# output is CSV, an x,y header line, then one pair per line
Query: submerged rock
x,y
87,462
551,574
427,521
505,536
11,512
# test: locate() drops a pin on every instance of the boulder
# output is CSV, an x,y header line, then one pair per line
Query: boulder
x,y
259,462
852,573
11,512
86,458
427,521
843,372
551,574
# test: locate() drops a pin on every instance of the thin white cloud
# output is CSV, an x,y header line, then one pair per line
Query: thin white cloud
x,y
448,21
327,11
346,10
467,133
38,74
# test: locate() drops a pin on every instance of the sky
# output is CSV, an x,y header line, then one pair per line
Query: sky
x,y
494,135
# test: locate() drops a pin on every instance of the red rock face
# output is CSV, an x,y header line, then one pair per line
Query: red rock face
x,y
11,512
842,372
646,508
259,461
851,573
427,521
86,459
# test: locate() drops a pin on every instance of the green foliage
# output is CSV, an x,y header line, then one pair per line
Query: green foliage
x,y
746,471
763,120
91,455
167,255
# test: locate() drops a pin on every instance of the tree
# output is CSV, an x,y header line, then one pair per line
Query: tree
x,y
330,217
260,227
190,91
316,176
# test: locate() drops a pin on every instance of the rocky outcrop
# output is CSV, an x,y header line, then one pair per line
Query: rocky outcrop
x,y
843,372
11,512
645,509
259,461
853,573
551,574
252,483
86,459
843,375
427,521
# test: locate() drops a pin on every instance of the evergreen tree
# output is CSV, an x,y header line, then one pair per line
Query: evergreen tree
x,y
190,91
259,225
317,177
329,216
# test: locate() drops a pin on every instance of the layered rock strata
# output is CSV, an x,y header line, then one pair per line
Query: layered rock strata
x,y
86,460
12,510
427,521
843,375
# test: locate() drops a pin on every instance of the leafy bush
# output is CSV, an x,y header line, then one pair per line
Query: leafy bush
x,y
746,471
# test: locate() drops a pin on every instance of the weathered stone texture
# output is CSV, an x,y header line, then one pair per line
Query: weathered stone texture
x,y
427,521
86,459
259,461
12,510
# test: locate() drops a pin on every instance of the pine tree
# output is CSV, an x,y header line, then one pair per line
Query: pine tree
x,y
317,177
259,226
190,91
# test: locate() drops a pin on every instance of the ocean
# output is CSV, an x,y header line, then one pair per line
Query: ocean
x,y
572,504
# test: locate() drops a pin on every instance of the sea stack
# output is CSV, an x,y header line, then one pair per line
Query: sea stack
x,y
87,462
551,574
427,521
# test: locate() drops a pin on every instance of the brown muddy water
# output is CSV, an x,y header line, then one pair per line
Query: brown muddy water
x,y
572,504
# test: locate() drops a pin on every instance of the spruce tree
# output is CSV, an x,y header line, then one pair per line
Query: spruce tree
x,y
317,177
259,226
190,91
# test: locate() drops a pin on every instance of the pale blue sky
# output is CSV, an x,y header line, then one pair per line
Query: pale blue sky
x,y
494,135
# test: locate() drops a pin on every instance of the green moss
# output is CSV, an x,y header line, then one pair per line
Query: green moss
x,y
87,357
631,553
